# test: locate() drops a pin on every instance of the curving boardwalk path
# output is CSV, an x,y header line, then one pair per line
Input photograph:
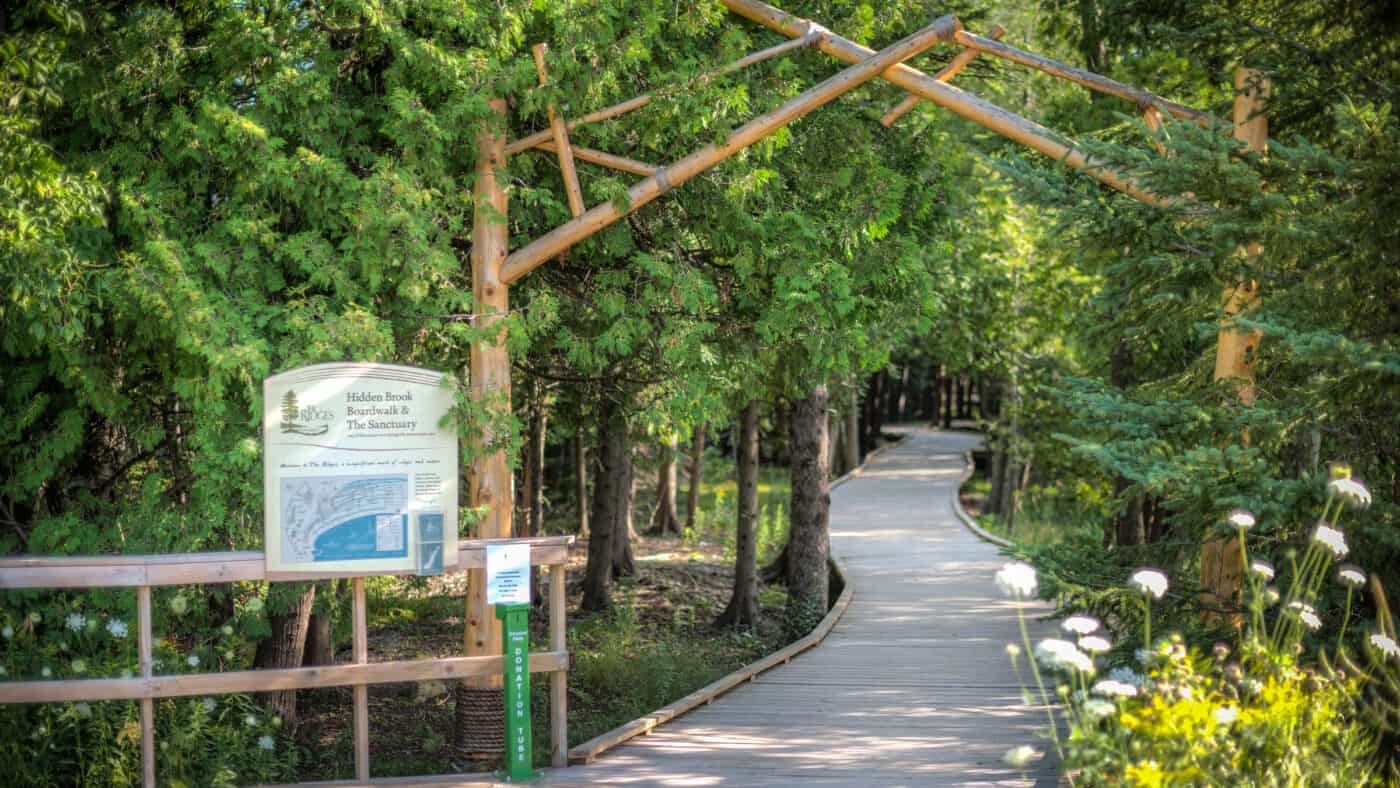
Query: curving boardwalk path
x,y
912,687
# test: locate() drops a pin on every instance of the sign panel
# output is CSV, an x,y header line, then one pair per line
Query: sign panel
x,y
507,574
359,470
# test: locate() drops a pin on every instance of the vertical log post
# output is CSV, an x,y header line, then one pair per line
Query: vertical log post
x,y
1222,572
148,706
360,635
480,722
558,680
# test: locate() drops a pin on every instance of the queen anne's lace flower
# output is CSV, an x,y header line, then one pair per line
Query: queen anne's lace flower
x,y
1020,756
75,622
1351,575
1080,624
1384,644
1353,492
1098,709
1241,519
1062,654
1331,538
1093,644
1017,579
1149,581
1114,688
192,660
117,628
266,742
1305,614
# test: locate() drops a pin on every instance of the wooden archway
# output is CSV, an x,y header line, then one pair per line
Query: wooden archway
x,y
495,267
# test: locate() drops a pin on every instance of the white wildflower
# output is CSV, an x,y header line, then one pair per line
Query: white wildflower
x,y
1127,676
1252,686
1353,492
192,660
1385,644
209,705
1330,538
1093,644
1080,624
250,721
1241,519
1271,596
1352,576
1305,614
4,671
1017,579
1020,756
1013,650
83,709
178,605
79,666
1114,688
255,605
1149,581
75,622
1098,709
1225,715
1263,569
227,630
1062,654
117,628
46,672
266,742
8,632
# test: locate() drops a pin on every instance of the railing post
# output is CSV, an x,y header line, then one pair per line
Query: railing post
x,y
559,679
361,646
148,705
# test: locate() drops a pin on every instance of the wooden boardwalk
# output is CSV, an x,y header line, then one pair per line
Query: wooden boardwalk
x,y
912,687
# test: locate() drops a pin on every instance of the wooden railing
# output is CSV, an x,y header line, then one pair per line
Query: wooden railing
x,y
142,572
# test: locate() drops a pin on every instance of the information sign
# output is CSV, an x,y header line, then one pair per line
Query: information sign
x,y
359,470
507,574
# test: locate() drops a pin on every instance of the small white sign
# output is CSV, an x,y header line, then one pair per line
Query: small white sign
x,y
507,574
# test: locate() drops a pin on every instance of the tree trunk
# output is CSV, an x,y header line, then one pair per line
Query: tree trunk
x,y
853,432
320,636
581,481
995,461
742,611
902,404
948,401
664,520
534,466
623,564
809,540
284,648
697,477
597,576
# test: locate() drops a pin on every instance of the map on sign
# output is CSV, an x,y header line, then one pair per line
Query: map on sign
x,y
359,470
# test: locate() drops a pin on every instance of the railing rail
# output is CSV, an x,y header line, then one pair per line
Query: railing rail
x,y
142,572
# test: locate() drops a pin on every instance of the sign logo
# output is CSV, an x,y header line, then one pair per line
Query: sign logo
x,y
298,420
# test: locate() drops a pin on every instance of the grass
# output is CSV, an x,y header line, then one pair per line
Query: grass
x,y
1049,514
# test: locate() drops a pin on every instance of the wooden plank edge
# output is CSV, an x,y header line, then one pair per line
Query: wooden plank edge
x,y
588,751
967,520
342,675
130,571
859,469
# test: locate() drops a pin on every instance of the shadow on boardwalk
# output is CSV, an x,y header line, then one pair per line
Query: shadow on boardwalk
x,y
913,686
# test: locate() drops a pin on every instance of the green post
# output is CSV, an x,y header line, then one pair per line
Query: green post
x,y
515,634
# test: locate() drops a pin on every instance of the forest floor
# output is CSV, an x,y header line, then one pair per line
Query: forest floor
x,y
1047,513
655,645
